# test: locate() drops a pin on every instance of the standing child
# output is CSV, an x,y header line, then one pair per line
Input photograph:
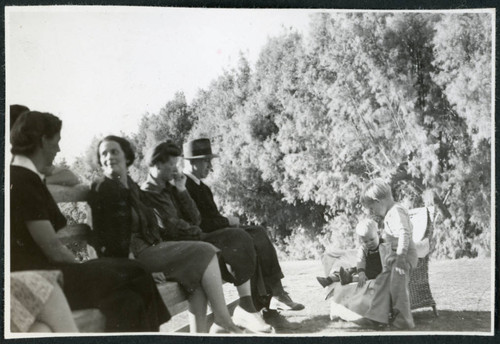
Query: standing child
x,y
392,295
368,263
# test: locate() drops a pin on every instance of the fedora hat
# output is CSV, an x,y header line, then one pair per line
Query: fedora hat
x,y
198,149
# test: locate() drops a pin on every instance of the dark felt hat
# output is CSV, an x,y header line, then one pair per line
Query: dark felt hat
x,y
198,149
161,152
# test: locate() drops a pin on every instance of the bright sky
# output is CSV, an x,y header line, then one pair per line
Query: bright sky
x,y
101,68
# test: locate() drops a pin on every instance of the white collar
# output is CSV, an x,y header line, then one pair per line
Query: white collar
x,y
194,178
24,161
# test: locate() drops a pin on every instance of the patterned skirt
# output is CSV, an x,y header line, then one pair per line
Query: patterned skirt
x,y
29,291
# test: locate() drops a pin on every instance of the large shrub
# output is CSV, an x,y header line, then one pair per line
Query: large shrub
x,y
403,96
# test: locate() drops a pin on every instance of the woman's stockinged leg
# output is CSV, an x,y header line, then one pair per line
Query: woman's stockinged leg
x,y
245,293
57,313
55,316
40,327
212,286
198,312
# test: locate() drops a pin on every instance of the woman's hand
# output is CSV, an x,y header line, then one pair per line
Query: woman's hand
x,y
233,221
159,277
180,181
191,233
91,253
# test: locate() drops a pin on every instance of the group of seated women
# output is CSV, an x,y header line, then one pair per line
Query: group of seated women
x,y
132,242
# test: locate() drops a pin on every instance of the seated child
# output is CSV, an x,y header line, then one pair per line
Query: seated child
x,y
392,295
368,264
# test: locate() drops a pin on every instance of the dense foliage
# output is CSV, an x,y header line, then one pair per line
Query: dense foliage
x,y
405,97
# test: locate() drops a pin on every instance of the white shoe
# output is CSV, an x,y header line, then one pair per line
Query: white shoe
x,y
215,328
251,321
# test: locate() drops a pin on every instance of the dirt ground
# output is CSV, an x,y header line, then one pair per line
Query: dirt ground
x,y
461,289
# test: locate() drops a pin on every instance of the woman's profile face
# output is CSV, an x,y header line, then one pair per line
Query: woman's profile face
x,y
50,148
168,169
112,158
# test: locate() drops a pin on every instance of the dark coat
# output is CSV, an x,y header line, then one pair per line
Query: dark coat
x,y
177,212
121,221
211,218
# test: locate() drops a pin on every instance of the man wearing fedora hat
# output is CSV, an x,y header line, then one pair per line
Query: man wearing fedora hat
x,y
198,154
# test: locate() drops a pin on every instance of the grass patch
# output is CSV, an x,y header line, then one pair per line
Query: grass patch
x,y
461,289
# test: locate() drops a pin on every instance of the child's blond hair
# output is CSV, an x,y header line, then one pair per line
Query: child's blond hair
x,y
365,227
376,190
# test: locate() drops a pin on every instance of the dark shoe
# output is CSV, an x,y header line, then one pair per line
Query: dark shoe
x,y
345,277
278,321
284,302
399,322
324,281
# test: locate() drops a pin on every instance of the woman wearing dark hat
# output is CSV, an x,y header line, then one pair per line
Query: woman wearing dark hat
x,y
198,154
180,219
121,289
126,227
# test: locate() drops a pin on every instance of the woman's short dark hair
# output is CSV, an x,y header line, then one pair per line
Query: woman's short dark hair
x,y
162,152
15,111
126,147
29,128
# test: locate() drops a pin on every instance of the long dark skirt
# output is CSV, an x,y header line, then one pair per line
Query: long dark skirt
x,y
181,261
120,288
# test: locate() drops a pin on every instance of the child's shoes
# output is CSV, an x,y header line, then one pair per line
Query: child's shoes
x,y
345,277
324,281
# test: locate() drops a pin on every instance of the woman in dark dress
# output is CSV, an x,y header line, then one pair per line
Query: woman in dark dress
x,y
121,289
127,228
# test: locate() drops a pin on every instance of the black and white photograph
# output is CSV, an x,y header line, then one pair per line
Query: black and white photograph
x,y
238,172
